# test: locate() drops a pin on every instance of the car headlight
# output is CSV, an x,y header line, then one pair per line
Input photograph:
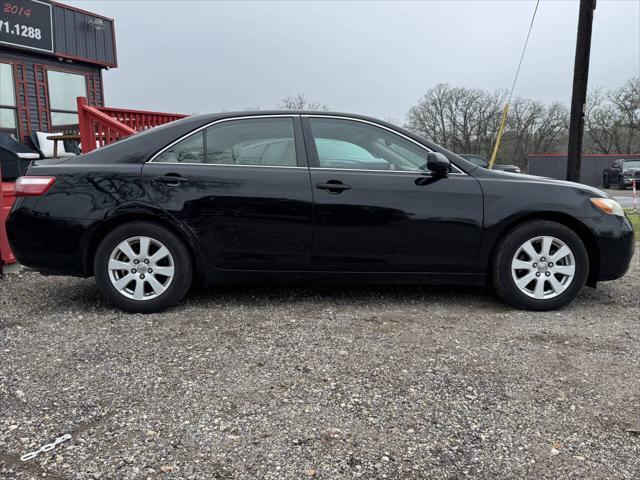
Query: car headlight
x,y
627,173
517,170
609,206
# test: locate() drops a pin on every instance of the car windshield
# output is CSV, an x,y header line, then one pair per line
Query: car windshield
x,y
479,161
631,164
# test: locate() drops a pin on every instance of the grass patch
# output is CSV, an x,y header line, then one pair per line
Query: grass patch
x,y
635,221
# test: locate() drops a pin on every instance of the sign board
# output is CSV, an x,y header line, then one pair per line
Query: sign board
x,y
26,24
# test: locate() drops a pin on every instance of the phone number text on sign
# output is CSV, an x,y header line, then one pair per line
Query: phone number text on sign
x,y
21,30
27,24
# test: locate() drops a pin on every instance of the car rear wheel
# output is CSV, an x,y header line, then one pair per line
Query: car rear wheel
x,y
540,265
142,267
605,182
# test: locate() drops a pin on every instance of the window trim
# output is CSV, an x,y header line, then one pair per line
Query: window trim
x,y
302,136
314,153
47,69
14,107
301,157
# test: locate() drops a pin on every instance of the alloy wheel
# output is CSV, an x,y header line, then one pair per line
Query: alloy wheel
x,y
141,268
543,267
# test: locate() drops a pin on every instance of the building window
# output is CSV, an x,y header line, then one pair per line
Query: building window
x,y
8,123
64,88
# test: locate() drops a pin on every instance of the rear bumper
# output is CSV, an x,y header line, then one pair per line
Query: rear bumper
x,y
50,245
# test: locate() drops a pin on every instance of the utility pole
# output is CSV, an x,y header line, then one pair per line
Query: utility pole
x,y
579,96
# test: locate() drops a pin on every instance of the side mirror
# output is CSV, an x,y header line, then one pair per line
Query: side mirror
x,y
438,163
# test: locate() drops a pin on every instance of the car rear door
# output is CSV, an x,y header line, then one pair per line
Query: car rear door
x,y
241,186
376,210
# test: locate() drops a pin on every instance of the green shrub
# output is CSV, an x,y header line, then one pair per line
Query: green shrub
x,y
635,221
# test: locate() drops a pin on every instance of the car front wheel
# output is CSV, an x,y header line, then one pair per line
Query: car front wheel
x,y
540,265
142,267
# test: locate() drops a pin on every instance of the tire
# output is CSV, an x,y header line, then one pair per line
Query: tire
x,y
605,182
621,184
560,287
162,288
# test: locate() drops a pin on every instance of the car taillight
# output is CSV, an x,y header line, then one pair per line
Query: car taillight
x,y
33,186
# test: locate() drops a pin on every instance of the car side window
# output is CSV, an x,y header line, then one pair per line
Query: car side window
x,y
342,143
259,141
189,150
251,141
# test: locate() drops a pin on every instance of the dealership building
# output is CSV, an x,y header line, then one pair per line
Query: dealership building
x,y
52,101
50,54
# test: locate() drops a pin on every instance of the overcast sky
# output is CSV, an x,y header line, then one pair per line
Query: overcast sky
x,y
375,58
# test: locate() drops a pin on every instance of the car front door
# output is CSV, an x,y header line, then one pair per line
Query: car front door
x,y
378,210
241,186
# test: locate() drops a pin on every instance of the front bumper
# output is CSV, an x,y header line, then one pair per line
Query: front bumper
x,y
615,244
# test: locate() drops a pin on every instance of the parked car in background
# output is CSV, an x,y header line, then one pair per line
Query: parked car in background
x,y
484,163
621,174
308,197
14,158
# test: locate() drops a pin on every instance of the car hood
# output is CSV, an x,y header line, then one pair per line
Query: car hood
x,y
533,179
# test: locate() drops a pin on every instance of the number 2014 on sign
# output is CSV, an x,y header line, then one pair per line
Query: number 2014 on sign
x,y
16,10
20,30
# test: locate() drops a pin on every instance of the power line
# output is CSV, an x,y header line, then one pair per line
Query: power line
x,y
505,111
533,18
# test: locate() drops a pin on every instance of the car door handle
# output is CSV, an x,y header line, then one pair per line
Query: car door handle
x,y
171,180
333,186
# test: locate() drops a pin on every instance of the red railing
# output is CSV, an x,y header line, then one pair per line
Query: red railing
x,y
140,120
7,196
100,126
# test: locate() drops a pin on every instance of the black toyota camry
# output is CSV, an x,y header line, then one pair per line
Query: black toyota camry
x,y
305,197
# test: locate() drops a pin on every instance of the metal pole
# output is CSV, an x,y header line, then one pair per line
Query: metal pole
x,y
579,96
496,147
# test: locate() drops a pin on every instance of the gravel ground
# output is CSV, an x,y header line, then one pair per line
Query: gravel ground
x,y
326,382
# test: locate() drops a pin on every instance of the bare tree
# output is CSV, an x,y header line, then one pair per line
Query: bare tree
x,y
460,119
626,101
300,102
467,121
600,123
612,123
533,127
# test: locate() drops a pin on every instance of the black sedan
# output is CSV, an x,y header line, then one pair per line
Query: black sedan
x,y
622,174
304,197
